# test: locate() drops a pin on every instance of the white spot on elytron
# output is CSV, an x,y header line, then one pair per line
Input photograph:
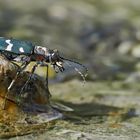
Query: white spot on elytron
x,y
10,45
21,49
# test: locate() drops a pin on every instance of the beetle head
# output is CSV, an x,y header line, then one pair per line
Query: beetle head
x,y
55,60
50,56
58,61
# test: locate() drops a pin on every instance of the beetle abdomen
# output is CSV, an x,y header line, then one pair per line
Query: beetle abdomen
x,y
16,46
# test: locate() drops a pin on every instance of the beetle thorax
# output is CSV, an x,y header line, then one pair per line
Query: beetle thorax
x,y
39,50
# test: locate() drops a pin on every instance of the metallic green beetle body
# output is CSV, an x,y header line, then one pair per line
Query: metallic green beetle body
x,y
25,52
16,46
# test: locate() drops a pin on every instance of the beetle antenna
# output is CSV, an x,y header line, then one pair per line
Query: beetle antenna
x,y
75,63
76,69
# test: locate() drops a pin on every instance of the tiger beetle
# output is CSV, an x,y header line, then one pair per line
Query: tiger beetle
x,y
25,52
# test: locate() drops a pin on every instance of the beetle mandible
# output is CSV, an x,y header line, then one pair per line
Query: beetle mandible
x,y
25,52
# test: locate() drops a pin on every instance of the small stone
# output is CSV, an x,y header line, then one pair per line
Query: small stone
x,y
136,51
33,101
125,47
133,77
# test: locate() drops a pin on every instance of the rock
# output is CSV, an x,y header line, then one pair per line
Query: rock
x,y
125,47
133,77
136,51
32,103
36,91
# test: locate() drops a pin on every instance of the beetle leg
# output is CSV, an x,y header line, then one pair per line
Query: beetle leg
x,y
28,80
47,73
23,66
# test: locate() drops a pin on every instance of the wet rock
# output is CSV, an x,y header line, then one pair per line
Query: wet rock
x,y
125,47
136,51
36,91
133,77
30,107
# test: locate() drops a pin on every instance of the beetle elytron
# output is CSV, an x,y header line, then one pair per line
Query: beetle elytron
x,y
25,52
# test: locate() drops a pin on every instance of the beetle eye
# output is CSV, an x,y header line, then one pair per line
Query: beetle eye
x,y
54,57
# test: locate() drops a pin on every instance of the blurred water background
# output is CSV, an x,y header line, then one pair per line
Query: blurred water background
x,y
104,35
